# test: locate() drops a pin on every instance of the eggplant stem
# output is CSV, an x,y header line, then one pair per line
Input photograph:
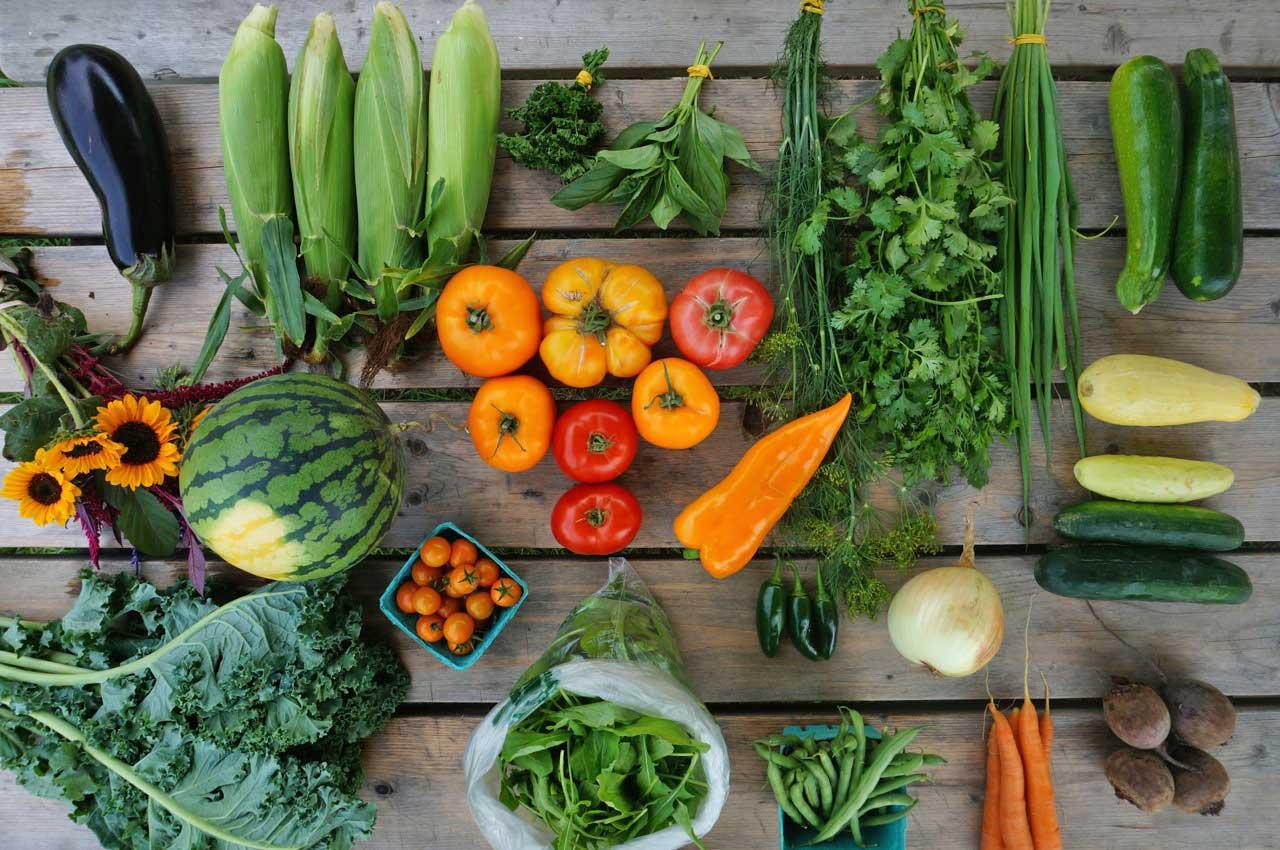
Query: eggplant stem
x,y
120,345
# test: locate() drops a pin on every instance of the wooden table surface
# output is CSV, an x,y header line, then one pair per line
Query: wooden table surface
x,y
413,767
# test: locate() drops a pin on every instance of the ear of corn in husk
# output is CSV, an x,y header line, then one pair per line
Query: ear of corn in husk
x,y
465,103
253,93
390,152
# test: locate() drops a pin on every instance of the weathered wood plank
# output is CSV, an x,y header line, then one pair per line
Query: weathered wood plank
x,y
45,194
1235,335
715,628
412,773
190,38
447,481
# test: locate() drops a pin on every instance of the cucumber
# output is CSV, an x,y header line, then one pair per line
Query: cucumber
x,y
1140,478
1143,524
1138,573
1146,129
1209,250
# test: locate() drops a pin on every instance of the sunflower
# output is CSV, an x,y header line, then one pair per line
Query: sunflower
x,y
43,494
79,455
145,430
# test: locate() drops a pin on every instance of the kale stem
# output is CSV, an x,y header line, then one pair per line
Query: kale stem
x,y
52,664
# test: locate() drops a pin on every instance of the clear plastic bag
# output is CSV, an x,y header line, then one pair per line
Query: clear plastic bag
x,y
616,645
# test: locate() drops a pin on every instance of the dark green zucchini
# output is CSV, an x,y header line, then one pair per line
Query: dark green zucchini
x,y
1146,129
1138,573
1208,252
1142,524
113,131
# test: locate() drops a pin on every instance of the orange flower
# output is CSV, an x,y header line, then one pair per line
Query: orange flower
x,y
145,429
78,455
44,495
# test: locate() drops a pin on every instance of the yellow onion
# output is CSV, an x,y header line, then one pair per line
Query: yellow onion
x,y
949,618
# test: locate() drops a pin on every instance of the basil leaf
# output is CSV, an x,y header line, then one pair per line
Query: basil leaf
x,y
633,159
599,180
640,205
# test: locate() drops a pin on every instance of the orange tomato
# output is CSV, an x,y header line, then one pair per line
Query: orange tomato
x,y
426,600
423,574
435,552
511,421
449,605
487,572
463,580
505,592
462,552
489,321
605,318
464,648
674,405
458,628
404,597
480,605
430,628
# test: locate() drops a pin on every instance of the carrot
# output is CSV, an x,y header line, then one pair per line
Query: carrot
x,y
1014,830
1046,726
991,839
1042,815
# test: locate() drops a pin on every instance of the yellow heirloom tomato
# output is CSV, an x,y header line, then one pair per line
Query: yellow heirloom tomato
x,y
605,317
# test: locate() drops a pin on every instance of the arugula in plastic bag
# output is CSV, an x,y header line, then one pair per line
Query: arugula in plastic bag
x,y
166,720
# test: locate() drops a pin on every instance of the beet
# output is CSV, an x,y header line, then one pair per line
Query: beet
x,y
1202,716
1203,788
1141,778
1136,714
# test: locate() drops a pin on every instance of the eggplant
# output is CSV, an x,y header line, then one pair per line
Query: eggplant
x,y
112,129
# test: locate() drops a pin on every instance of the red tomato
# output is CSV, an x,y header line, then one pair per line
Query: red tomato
x,y
719,317
595,441
596,519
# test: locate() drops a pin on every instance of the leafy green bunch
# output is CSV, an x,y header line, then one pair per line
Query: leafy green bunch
x,y
560,124
598,774
166,720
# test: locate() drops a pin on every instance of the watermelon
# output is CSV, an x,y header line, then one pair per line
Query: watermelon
x,y
293,477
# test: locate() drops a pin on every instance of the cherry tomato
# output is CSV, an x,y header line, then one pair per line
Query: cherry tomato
x,y
674,405
423,574
464,648
458,628
435,552
720,316
462,552
404,597
510,422
505,592
489,321
449,605
480,605
463,580
487,572
426,600
595,441
596,519
430,628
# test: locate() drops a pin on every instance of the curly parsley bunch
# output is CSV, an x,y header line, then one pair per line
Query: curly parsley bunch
x,y
561,123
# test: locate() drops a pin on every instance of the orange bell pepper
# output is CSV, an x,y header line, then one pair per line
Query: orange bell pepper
x,y
728,523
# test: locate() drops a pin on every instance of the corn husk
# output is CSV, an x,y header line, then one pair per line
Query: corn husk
x,y
390,145
465,103
321,125
253,94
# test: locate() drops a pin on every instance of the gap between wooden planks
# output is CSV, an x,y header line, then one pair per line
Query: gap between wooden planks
x,y
413,772
448,481
714,623
44,194
1237,335
535,35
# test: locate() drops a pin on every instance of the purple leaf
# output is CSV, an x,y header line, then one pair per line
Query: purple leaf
x,y
92,529
195,560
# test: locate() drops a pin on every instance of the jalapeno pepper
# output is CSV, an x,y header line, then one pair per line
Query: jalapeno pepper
x,y
771,612
826,620
800,619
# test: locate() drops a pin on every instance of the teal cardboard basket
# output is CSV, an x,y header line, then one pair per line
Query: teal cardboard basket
x,y
406,622
792,836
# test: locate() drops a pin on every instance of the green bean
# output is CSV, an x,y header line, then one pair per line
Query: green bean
x,y
885,752
810,746
911,764
804,809
889,817
887,785
824,759
775,757
845,781
860,738
774,775
896,798
811,793
821,779
930,758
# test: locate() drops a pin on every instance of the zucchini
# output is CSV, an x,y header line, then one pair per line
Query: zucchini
x,y
1137,573
1209,250
1137,478
1134,389
1146,129
1145,524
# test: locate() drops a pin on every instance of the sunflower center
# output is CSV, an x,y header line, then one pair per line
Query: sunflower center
x,y
141,445
85,449
45,489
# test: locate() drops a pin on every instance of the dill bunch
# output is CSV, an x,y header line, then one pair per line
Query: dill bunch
x,y
561,125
